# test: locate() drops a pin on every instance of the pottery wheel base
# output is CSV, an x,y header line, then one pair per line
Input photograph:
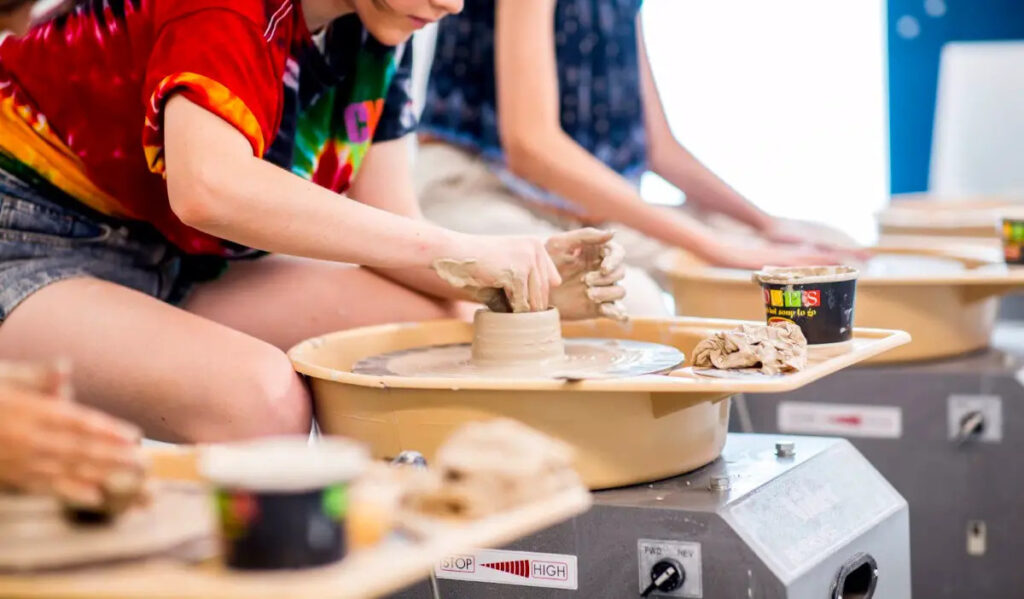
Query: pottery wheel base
x,y
584,359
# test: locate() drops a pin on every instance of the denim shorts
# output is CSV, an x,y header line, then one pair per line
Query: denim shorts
x,y
47,236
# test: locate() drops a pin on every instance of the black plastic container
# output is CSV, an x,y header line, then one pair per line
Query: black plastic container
x,y
283,503
819,299
270,531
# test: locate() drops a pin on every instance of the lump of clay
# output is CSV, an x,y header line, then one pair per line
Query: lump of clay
x,y
492,466
120,492
772,349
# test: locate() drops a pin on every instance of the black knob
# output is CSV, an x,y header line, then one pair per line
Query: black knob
x,y
666,576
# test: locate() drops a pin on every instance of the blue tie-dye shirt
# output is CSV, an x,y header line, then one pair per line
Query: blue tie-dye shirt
x,y
598,76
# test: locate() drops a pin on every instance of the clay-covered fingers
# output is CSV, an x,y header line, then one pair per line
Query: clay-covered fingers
x,y
597,278
613,257
566,242
518,294
543,278
601,295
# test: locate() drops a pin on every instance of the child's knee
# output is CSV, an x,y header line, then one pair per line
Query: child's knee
x,y
262,396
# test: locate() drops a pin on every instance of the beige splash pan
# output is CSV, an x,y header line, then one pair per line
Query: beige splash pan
x,y
625,431
946,315
963,216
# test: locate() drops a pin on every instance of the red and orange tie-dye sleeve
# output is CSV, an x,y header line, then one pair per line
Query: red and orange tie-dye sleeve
x,y
209,94
221,60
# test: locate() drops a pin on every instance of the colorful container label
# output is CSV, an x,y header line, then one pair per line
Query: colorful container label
x,y
823,311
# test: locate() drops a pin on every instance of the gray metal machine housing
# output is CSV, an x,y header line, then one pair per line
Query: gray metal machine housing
x,y
957,459
763,526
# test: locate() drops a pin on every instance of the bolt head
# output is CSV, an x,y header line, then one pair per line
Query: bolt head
x,y
785,449
719,482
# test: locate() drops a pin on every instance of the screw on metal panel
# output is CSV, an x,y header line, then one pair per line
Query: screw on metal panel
x,y
785,449
719,483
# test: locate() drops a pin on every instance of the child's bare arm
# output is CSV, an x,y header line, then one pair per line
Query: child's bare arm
x,y
216,185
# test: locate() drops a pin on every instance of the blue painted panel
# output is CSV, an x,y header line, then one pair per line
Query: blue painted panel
x,y
917,31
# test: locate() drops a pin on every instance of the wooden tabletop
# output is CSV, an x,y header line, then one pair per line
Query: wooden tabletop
x,y
369,573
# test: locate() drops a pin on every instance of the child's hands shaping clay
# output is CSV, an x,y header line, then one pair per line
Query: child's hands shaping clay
x,y
52,445
494,268
591,266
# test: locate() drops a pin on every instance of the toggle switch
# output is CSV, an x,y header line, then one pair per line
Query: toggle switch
x,y
667,575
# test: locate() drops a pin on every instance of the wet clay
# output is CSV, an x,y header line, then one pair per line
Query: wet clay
x,y
488,467
773,349
459,274
525,345
527,338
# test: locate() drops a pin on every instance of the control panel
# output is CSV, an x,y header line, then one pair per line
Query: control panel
x,y
669,568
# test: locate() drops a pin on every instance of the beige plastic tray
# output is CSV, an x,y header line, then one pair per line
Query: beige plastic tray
x,y
367,573
922,214
945,315
625,431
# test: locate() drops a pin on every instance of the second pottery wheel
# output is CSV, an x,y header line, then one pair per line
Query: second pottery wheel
x,y
946,299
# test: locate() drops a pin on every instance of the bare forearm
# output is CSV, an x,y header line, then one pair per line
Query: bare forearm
x,y
217,186
425,281
703,187
316,223
606,195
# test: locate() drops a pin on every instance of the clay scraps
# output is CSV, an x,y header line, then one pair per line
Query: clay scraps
x,y
779,347
488,467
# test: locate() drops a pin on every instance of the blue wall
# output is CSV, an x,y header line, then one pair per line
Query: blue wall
x,y
914,70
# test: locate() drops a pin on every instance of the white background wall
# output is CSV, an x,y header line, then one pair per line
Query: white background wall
x,y
784,99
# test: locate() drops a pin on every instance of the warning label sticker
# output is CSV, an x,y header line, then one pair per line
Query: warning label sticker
x,y
523,568
844,420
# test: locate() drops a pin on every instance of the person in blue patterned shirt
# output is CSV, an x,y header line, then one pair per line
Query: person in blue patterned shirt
x,y
580,121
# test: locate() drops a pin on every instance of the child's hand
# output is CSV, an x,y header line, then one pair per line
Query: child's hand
x,y
488,266
591,267
757,257
52,445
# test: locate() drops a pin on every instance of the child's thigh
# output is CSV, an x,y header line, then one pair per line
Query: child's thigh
x,y
179,376
283,300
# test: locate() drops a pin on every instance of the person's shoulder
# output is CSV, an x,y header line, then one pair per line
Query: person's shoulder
x,y
259,12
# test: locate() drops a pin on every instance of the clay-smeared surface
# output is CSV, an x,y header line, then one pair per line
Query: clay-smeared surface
x,y
583,359
772,349
37,536
487,467
525,346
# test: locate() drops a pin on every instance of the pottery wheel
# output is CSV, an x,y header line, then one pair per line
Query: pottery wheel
x,y
584,359
911,265
36,536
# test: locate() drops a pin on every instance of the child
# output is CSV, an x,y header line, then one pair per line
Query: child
x,y
132,134
579,122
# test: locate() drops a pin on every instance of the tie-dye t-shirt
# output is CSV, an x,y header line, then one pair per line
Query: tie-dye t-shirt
x,y
342,92
82,97
598,79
